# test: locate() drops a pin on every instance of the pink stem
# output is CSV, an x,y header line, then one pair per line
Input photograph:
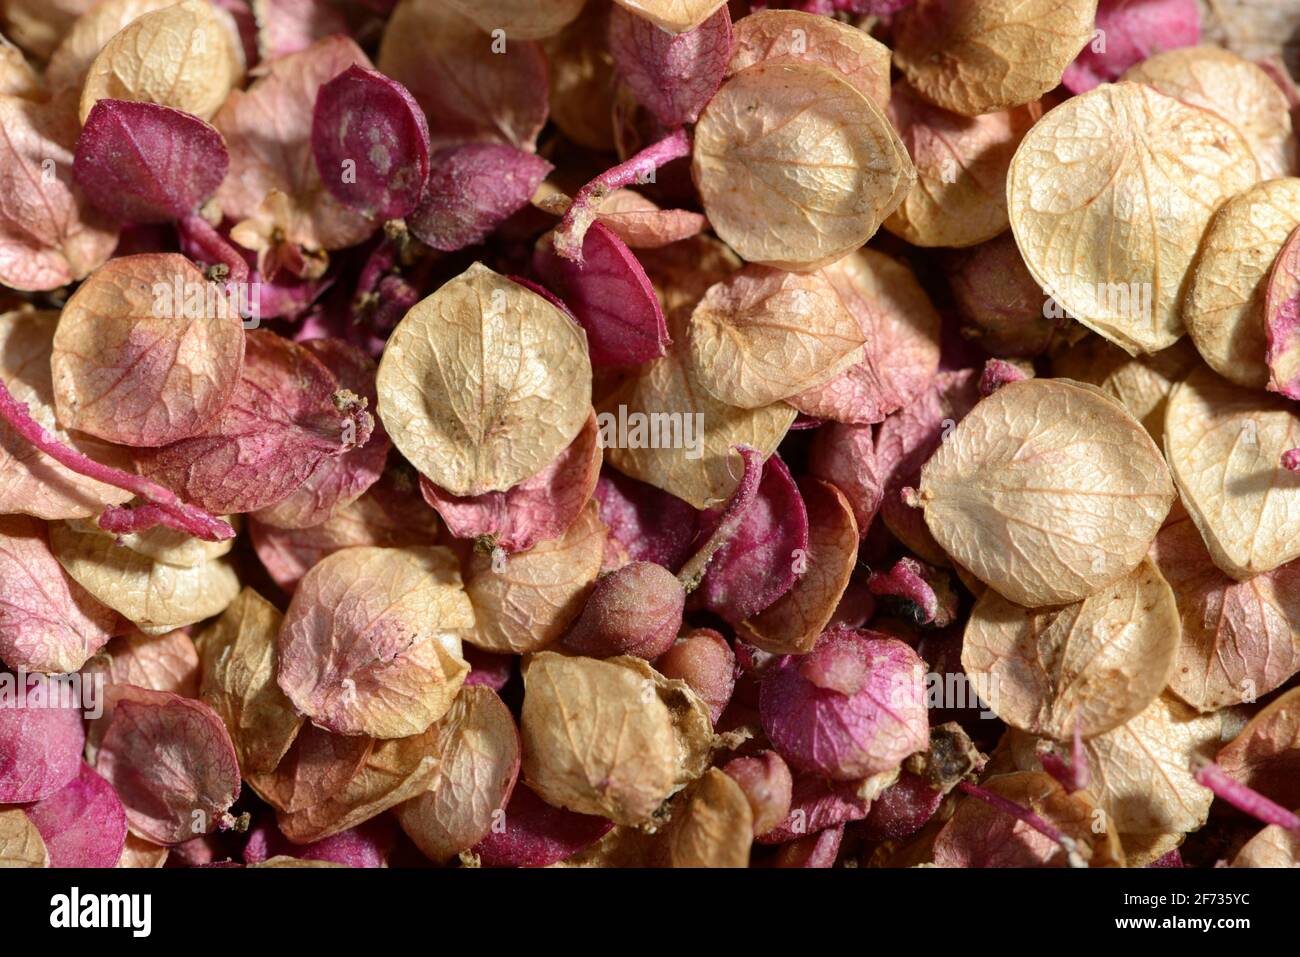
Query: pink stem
x,y
1245,799
1291,460
572,230
732,515
1027,816
1073,775
167,508
214,247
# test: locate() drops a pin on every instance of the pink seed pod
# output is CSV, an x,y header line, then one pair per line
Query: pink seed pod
x,y
765,554
768,786
845,456
1128,32
611,296
370,141
83,824
927,591
674,75
366,845
41,737
488,668
652,525
636,610
535,834
172,763
473,189
999,298
703,659
902,809
817,851
852,707
816,804
144,163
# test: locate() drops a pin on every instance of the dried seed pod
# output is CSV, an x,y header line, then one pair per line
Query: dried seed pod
x,y
785,35
48,622
472,190
48,235
610,295
1089,666
845,456
674,75
141,853
83,824
906,442
1005,307
961,170
239,682
483,383
1129,31
392,772
816,805
901,327
1224,446
979,835
478,751
1238,637
649,737
1235,89
467,90
703,659
1141,771
386,663
752,160
582,79
537,834
374,520
182,56
524,602
903,808
144,163
277,162
851,708
1272,847
1141,383
675,16
157,597
172,764
763,334
367,845
792,624
285,416
1133,241
167,662
86,36
766,783
1282,319
636,610
538,509
20,841
1265,755
711,827
977,56
1011,484
364,119
702,469
1224,307
41,737
138,368
317,767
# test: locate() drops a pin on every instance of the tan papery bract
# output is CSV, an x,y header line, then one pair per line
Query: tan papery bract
x,y
38,25
520,19
20,843
712,826
1274,846
167,662
1109,195
1047,491
78,48
675,16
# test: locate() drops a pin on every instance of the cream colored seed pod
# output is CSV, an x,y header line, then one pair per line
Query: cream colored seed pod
x,y
1109,195
795,167
1047,491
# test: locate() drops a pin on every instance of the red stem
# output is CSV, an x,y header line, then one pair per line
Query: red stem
x,y
199,233
581,213
167,508
1027,816
1245,799
1073,775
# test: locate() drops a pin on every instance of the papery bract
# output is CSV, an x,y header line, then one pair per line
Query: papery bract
x,y
1264,755
1005,307
472,190
172,764
702,658
366,845
20,841
845,456
87,35
166,662
815,805
768,787
582,79
318,765
1128,32
537,834
673,74
385,662
711,827
848,709
651,524
1282,319
83,824
41,737
370,141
